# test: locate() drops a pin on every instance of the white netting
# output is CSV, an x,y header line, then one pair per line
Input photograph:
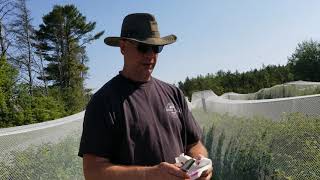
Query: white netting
x,y
247,104
247,139
291,89
45,150
203,94
268,108
263,139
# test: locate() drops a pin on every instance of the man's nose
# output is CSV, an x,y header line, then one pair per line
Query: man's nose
x,y
150,54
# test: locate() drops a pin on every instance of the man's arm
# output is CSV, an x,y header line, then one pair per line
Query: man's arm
x,y
95,167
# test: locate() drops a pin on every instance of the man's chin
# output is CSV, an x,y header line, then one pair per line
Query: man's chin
x,y
150,71
147,73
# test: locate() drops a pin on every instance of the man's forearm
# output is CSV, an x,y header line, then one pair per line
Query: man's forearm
x,y
114,172
95,168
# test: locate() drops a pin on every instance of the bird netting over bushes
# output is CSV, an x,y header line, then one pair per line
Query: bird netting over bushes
x,y
262,139
247,139
269,108
259,148
45,150
291,89
274,102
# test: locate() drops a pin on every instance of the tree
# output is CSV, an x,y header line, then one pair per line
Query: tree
x,y
64,34
6,7
40,53
245,82
7,71
7,82
305,61
23,33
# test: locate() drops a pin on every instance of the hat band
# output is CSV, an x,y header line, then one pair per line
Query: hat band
x,y
135,35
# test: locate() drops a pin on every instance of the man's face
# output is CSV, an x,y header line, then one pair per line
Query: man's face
x,y
140,59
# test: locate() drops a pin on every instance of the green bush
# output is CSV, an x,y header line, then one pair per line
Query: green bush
x,y
260,148
7,83
33,109
286,90
47,161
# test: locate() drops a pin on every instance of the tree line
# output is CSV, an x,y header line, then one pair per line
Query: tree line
x,y
303,64
42,70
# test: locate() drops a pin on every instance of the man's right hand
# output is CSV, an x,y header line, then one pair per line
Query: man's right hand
x,y
166,171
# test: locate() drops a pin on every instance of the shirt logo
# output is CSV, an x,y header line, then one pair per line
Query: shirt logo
x,y
171,110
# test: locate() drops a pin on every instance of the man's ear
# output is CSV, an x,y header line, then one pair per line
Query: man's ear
x,y
122,46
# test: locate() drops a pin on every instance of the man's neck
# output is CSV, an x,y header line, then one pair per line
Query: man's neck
x,y
134,77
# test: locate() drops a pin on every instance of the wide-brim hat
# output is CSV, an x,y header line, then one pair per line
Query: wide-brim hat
x,y
143,28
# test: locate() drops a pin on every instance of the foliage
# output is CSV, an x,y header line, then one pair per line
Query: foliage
x,y
7,81
63,34
37,108
305,61
56,52
260,148
28,109
286,90
46,161
246,82
279,91
303,64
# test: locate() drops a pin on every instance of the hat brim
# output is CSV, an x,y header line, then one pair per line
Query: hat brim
x,y
114,41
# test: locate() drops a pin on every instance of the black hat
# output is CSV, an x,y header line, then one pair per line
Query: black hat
x,y
141,27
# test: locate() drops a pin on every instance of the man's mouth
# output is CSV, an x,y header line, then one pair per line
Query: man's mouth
x,y
147,64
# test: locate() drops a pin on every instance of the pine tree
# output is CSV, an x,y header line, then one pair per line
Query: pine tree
x,y
64,34
305,61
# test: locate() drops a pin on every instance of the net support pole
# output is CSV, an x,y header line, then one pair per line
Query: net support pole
x,y
203,102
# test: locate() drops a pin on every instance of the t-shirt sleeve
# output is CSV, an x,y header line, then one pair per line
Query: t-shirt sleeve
x,y
98,130
193,130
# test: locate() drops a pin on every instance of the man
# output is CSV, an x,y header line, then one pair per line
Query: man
x,y
136,125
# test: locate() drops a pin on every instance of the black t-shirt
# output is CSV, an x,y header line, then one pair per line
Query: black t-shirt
x,y
134,123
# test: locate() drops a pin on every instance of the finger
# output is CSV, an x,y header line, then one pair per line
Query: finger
x,y
175,171
178,165
178,173
207,172
205,178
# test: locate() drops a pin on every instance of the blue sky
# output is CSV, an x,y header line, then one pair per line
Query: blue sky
x,y
212,35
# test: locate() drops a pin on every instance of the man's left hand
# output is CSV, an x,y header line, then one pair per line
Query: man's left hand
x,y
206,175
